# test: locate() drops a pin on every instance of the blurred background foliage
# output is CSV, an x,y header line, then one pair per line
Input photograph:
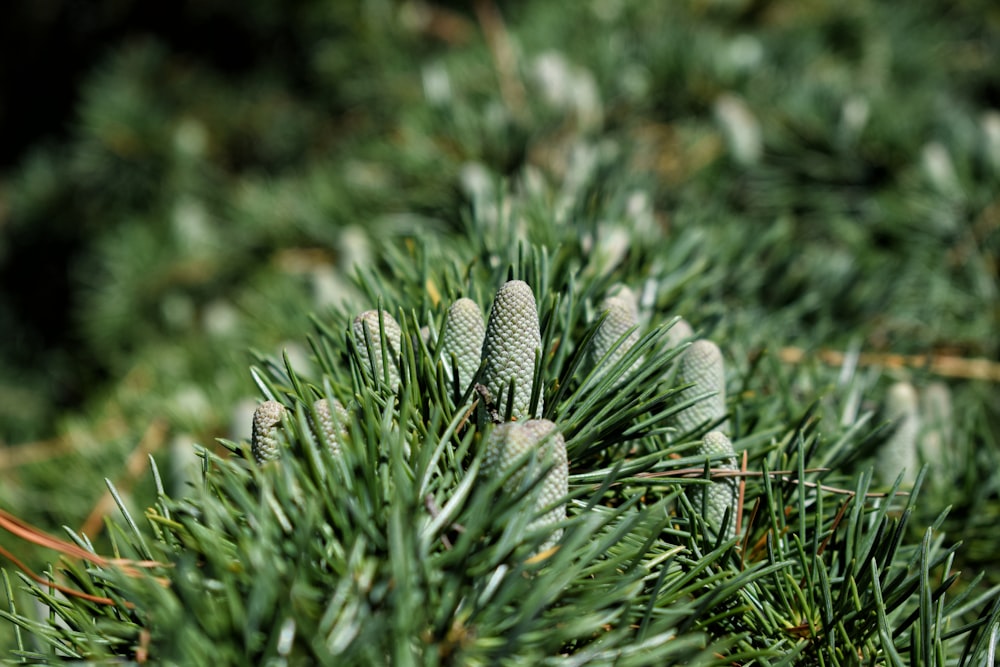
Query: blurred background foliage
x,y
184,183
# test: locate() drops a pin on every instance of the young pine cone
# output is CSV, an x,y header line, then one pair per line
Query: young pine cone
x,y
936,425
722,494
463,336
330,424
368,321
679,333
622,318
702,366
899,453
512,341
264,442
508,445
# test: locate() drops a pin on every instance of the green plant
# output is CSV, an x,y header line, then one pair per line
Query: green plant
x,y
718,501
619,330
433,535
266,418
512,351
529,453
702,367
744,165
463,336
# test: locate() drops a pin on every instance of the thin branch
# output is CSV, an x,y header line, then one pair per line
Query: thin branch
x,y
59,587
441,23
833,529
504,55
746,538
26,453
29,533
136,464
34,452
491,408
938,364
435,511
743,487
784,475
468,413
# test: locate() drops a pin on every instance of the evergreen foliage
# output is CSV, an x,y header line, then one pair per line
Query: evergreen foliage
x,y
621,319
463,337
400,547
783,175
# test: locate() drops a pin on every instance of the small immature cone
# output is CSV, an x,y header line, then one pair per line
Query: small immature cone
x,y
505,446
722,494
680,332
702,365
936,419
899,452
264,442
623,292
622,316
368,320
463,336
331,423
513,338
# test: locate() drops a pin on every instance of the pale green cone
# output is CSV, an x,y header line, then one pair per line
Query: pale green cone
x,y
680,332
622,318
937,422
428,336
702,366
330,423
505,447
464,332
513,338
369,321
264,443
722,494
618,290
898,454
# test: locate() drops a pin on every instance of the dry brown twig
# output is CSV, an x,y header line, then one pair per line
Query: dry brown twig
x,y
29,533
938,364
26,453
783,475
136,465
504,56
33,452
742,494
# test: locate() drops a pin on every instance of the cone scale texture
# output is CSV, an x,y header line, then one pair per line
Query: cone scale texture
x,y
722,494
702,366
899,453
506,446
330,424
513,338
621,321
680,332
463,337
369,321
264,443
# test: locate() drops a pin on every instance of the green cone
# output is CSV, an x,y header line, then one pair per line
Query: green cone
x,y
463,336
512,340
721,495
899,453
506,446
679,333
369,321
621,321
330,424
264,443
702,366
